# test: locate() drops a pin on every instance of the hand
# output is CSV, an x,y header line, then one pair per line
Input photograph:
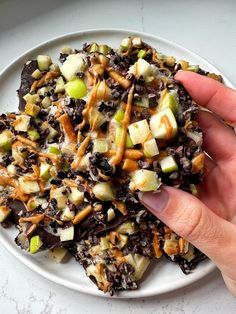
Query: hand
x,y
208,222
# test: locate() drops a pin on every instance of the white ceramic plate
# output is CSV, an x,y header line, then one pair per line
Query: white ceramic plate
x,y
163,276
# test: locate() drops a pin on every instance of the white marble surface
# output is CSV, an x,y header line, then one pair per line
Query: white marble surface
x,y
206,27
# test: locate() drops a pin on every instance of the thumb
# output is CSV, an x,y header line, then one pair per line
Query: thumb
x,y
191,219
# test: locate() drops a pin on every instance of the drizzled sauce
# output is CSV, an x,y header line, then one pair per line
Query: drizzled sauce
x,y
168,126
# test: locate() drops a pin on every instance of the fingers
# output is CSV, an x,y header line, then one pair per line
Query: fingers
x,y
219,140
211,94
192,220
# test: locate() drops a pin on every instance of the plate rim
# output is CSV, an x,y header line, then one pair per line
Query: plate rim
x,y
208,267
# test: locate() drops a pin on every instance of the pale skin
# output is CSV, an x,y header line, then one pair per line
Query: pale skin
x,y
208,222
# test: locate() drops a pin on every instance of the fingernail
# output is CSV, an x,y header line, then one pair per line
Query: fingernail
x,y
178,73
156,201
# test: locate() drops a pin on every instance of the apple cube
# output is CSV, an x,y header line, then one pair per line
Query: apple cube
x,y
28,186
136,41
67,214
103,191
125,43
139,262
144,180
6,139
44,62
44,171
168,100
76,88
22,123
11,169
60,85
57,254
168,164
4,213
60,197
35,244
100,146
76,197
118,136
110,214
141,68
32,109
163,124
139,131
150,148
67,234
128,227
73,64
32,99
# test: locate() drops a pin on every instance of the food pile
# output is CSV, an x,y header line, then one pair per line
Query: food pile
x,y
90,133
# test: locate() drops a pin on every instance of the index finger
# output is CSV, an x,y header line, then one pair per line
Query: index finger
x,y
210,94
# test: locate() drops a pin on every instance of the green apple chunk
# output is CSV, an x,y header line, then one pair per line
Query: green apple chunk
x,y
46,102
57,254
28,186
60,85
67,214
119,115
44,62
103,191
100,146
4,213
104,49
136,41
163,124
150,148
104,243
141,53
60,197
76,197
6,139
73,64
54,150
128,227
35,244
141,68
67,234
31,98
168,164
76,88
22,123
139,262
125,43
144,180
139,131
168,100
44,171
144,102
129,143
33,134
32,109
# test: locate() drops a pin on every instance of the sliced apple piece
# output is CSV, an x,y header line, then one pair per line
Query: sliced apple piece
x,y
141,68
139,262
67,234
139,131
54,150
128,227
141,53
37,74
76,197
31,98
35,244
119,131
73,64
57,254
46,102
44,62
136,41
60,85
119,115
28,186
60,197
33,134
100,146
32,109
163,124
168,164
22,123
144,180
4,213
44,171
6,139
125,43
168,100
103,191
67,214
151,148
76,88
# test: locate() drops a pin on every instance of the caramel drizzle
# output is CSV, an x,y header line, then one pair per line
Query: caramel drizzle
x,y
155,243
168,126
125,123
68,128
90,104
